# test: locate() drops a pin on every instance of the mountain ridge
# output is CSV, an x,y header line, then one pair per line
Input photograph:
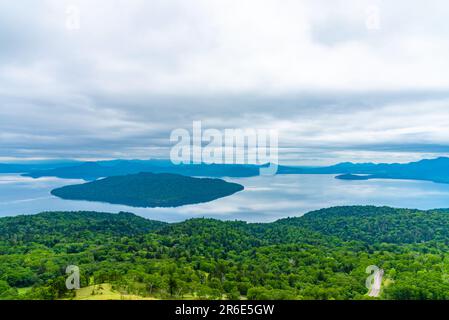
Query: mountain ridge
x,y
435,170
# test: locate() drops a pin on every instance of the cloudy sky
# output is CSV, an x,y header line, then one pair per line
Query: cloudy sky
x,y
342,80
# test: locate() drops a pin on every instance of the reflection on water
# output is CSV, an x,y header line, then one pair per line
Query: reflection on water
x,y
264,198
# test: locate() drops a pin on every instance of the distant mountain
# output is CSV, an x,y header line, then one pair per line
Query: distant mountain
x,y
150,190
436,170
35,165
93,170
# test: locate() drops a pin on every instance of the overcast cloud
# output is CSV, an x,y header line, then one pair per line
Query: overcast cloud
x,y
335,86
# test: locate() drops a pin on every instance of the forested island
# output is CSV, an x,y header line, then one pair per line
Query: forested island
x,y
150,190
322,255
349,176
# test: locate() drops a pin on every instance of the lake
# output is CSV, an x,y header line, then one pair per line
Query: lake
x,y
264,199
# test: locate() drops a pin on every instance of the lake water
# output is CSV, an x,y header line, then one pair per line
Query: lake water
x,y
264,198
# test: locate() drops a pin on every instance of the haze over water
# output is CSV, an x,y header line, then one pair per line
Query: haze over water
x,y
264,199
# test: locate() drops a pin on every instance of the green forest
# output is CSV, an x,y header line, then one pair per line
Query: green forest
x,y
321,255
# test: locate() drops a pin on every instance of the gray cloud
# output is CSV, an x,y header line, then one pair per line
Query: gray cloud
x,y
136,70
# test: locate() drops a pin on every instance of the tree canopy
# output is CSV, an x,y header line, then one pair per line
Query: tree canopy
x,y
322,255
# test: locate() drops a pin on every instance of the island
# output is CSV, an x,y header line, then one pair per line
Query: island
x,y
353,177
150,190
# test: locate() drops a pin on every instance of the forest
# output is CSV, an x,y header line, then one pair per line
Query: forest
x,y
322,255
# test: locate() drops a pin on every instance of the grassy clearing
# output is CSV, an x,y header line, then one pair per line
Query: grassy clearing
x,y
23,291
105,292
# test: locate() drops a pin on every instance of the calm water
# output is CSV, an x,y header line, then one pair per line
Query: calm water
x,y
264,199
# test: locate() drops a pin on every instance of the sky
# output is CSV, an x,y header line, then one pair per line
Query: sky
x,y
342,80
